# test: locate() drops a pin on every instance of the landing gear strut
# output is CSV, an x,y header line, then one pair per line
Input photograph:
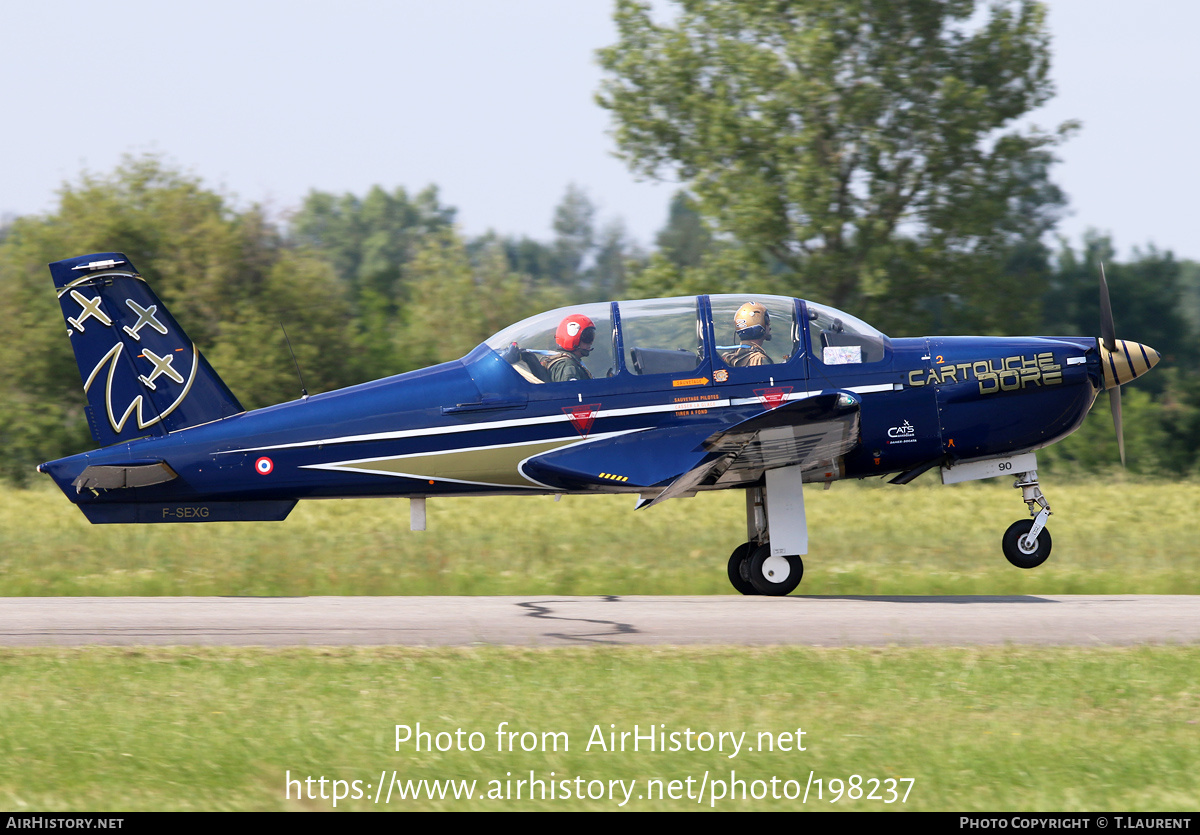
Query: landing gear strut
x,y
1027,542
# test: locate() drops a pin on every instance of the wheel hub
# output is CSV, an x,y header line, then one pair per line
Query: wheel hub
x,y
777,569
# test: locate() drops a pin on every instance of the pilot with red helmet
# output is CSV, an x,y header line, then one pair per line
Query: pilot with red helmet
x,y
753,325
575,336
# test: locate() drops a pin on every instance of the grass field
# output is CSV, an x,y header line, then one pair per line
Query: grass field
x,y
993,729
1124,536
986,729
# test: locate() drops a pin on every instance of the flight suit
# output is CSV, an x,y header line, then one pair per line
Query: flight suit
x,y
564,367
747,355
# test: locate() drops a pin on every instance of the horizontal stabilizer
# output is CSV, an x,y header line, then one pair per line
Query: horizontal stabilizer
x,y
141,373
128,513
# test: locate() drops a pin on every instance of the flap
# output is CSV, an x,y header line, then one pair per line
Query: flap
x,y
802,434
680,458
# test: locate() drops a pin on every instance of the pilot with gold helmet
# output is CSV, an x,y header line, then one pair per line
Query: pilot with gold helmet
x,y
575,336
752,323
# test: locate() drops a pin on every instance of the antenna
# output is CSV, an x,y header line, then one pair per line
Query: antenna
x,y
303,390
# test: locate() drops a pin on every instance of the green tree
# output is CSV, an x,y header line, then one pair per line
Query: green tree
x,y
1189,283
863,151
1180,421
1147,300
459,298
302,295
581,262
1093,447
1161,411
201,256
525,255
685,239
225,274
370,242
574,238
369,239
614,254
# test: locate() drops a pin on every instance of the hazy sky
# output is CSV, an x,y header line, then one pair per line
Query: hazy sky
x,y
492,101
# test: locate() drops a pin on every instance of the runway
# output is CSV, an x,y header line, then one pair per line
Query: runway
x,y
548,621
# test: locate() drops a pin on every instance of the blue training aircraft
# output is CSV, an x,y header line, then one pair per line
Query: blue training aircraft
x,y
659,398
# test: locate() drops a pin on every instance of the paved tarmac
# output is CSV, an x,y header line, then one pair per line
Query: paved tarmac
x,y
1068,620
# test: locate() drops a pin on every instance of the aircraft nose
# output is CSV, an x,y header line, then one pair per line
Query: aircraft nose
x,y
1129,361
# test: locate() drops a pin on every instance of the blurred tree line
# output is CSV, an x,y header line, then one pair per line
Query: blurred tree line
x,y
384,283
366,286
862,153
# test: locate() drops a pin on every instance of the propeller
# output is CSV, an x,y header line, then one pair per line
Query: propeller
x,y
1122,361
1108,337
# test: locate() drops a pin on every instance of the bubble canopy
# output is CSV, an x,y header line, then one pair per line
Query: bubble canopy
x,y
675,335
839,338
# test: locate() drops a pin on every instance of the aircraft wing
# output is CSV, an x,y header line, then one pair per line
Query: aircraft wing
x,y
801,433
681,458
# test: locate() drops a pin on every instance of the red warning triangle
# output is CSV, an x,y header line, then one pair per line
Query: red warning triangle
x,y
773,397
582,417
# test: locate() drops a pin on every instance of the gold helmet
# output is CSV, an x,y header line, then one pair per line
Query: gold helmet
x,y
752,321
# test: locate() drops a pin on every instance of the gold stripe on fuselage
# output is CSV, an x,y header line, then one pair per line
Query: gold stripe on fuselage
x,y
496,465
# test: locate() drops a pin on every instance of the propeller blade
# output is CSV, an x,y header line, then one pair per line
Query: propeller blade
x,y
1108,336
1108,331
1114,403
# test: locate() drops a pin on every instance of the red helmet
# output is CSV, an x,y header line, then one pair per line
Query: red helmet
x,y
574,330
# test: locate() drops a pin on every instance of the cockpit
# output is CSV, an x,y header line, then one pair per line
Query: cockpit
x,y
841,339
684,334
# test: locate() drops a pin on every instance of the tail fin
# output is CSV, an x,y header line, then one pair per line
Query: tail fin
x,y
141,373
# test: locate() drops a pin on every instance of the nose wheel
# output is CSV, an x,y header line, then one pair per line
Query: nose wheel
x,y
1027,543
1025,551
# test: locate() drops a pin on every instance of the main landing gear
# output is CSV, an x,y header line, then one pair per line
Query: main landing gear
x,y
1027,542
753,568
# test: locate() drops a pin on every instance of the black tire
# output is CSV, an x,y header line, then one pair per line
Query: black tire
x,y
739,568
1012,545
774,576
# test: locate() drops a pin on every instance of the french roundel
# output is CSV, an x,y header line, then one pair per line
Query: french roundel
x,y
264,465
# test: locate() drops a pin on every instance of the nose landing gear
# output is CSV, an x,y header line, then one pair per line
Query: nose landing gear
x,y
1027,542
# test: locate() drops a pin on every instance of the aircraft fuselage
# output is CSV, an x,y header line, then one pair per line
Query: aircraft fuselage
x,y
468,426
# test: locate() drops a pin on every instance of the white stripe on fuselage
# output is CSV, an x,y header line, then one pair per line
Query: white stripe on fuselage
x,y
547,419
